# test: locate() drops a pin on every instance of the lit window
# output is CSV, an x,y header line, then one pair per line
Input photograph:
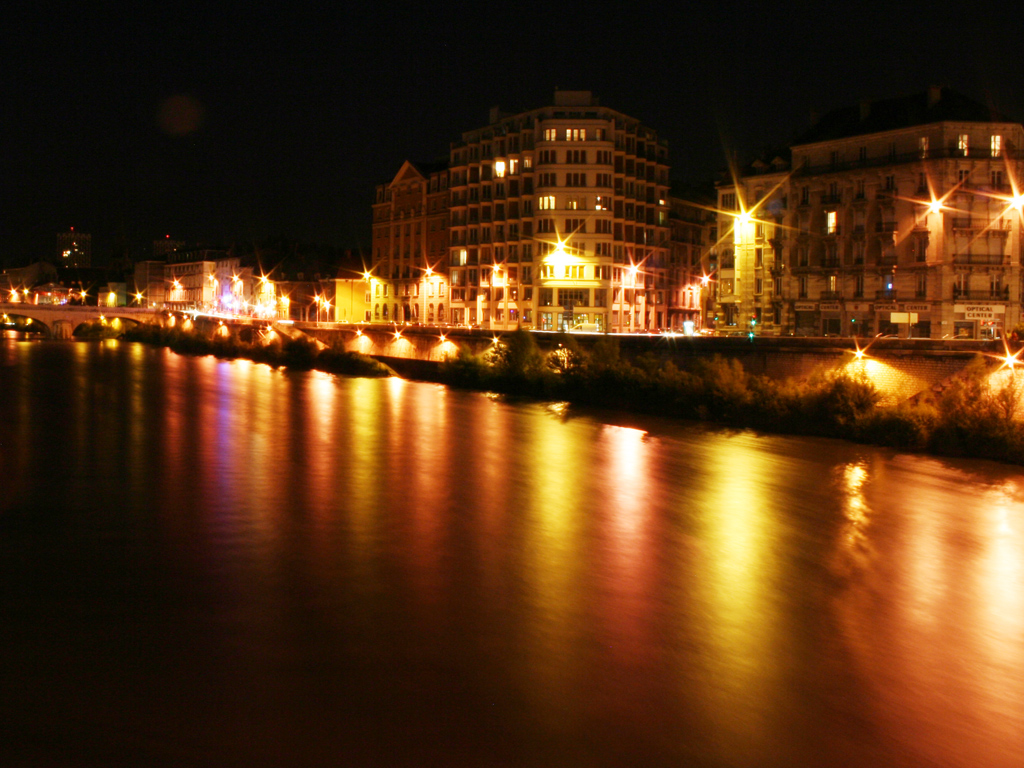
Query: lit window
x,y
997,146
499,169
963,143
550,134
546,203
922,144
830,222
513,166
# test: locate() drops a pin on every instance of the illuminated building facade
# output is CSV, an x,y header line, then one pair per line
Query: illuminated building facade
x,y
74,249
190,285
559,219
693,234
410,246
896,217
149,288
366,300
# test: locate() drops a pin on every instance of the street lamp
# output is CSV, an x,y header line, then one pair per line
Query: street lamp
x,y
427,274
633,269
498,279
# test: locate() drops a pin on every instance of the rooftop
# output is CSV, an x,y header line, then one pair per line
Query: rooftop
x,y
932,106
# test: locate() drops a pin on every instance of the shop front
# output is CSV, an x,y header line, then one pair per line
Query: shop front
x,y
978,321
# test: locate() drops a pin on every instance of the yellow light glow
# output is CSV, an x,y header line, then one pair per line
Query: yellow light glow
x,y
398,334
366,275
705,279
1017,201
743,218
430,271
935,206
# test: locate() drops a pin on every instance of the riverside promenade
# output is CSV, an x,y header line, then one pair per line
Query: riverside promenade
x,y
900,368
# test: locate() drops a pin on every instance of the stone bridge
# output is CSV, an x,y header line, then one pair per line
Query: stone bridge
x,y
60,321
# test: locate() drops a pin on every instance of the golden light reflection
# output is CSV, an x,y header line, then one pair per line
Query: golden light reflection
x,y
627,546
856,550
739,562
553,556
938,607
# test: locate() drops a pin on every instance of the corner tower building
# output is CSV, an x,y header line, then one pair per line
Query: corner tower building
x,y
559,219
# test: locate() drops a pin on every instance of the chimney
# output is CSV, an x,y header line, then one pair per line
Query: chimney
x,y
934,95
495,115
865,109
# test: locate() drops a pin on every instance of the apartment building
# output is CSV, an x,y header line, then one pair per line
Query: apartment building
x,y
74,249
900,217
694,229
558,220
410,246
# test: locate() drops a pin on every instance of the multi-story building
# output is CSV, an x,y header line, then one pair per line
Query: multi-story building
x,y
559,219
165,245
900,216
74,249
693,227
410,245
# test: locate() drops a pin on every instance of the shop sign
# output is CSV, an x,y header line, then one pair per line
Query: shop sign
x,y
979,311
885,307
831,307
903,317
917,307
858,307
805,306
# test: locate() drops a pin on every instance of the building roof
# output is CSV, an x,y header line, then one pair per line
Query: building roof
x,y
932,106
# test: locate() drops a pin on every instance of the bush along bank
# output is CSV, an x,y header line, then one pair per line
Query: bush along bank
x,y
299,353
971,418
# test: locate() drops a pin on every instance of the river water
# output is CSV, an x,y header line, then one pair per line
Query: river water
x,y
209,562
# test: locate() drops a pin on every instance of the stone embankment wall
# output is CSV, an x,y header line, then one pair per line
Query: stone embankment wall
x,y
901,369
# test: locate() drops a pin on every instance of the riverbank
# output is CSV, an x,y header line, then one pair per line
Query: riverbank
x,y
974,417
299,353
977,415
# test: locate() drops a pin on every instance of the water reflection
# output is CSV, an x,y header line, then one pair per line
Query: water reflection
x,y
319,566
933,622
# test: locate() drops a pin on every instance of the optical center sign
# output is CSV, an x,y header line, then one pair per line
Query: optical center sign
x,y
980,311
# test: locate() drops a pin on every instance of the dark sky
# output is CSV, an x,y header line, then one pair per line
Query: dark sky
x,y
221,122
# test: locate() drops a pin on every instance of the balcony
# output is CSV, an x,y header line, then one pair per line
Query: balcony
x,y
979,258
831,262
974,224
885,227
888,294
939,153
832,231
831,295
831,199
986,294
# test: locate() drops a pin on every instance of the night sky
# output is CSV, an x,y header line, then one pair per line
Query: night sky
x,y
221,123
